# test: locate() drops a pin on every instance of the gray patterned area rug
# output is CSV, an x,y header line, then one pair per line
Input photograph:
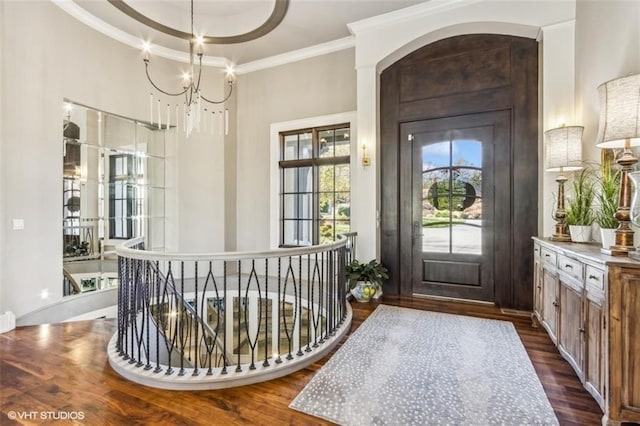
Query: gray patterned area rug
x,y
409,367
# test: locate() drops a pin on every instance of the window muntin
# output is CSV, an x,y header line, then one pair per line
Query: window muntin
x,y
315,199
452,197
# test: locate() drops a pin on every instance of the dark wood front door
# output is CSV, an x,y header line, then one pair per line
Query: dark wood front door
x,y
477,92
450,188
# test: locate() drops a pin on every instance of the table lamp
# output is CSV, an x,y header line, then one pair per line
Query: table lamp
x,y
619,127
563,153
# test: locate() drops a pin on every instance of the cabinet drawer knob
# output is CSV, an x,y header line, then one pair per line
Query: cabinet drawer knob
x,y
555,303
547,255
581,330
593,277
568,266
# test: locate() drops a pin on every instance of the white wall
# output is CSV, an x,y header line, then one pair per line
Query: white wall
x,y
3,220
607,47
557,59
319,86
47,56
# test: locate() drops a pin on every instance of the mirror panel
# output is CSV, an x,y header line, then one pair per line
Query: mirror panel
x,y
113,190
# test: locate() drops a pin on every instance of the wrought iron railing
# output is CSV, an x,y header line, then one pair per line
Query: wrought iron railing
x,y
219,320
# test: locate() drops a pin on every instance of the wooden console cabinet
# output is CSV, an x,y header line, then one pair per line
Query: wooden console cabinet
x,y
589,303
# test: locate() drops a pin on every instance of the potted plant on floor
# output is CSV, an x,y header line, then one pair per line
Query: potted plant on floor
x,y
580,212
609,188
365,279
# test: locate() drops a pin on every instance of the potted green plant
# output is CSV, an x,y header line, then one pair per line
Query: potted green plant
x,y
580,212
365,279
609,188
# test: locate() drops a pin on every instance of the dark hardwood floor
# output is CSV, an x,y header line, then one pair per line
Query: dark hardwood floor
x,y
64,368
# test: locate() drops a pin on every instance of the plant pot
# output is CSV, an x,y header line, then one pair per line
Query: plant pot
x,y
580,233
363,291
608,236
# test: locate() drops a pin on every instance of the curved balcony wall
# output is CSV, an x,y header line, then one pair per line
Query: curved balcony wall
x,y
211,321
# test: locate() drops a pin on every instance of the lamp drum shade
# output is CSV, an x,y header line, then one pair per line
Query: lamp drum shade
x,y
563,149
619,112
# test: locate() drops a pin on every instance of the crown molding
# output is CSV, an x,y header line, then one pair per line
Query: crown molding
x,y
407,14
297,55
109,30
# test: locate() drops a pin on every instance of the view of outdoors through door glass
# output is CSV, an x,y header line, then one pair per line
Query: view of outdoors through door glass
x,y
452,197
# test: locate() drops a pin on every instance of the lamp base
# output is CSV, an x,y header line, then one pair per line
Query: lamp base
x,y
624,233
564,238
619,251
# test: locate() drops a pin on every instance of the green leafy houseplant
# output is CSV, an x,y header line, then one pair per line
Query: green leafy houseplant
x,y
580,205
609,188
372,272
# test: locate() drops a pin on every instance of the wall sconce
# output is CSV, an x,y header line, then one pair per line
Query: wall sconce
x,y
366,160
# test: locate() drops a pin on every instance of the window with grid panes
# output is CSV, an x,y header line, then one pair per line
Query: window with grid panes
x,y
122,196
315,198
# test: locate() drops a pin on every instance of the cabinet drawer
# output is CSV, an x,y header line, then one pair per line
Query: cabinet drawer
x,y
536,250
570,267
595,277
548,256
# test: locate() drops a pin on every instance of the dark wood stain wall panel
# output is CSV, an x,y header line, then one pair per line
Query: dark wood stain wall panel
x,y
448,76
456,76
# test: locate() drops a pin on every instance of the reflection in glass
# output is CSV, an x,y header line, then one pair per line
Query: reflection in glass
x,y
291,147
452,197
113,184
334,143
305,149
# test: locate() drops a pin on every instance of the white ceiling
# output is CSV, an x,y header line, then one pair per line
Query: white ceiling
x,y
307,22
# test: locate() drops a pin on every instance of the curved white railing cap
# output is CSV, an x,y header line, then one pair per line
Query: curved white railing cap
x,y
125,250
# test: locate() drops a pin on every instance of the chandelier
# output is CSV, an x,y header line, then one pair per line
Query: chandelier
x,y
193,111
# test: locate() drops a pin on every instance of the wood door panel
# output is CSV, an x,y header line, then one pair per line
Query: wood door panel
x,y
462,103
550,312
594,349
631,341
571,328
461,273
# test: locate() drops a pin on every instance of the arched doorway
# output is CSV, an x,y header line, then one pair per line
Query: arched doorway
x,y
459,169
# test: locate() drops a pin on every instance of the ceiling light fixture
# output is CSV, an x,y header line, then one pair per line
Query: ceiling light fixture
x,y
193,111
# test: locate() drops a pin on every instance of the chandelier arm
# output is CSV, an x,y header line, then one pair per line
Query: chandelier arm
x,y
146,69
222,101
197,87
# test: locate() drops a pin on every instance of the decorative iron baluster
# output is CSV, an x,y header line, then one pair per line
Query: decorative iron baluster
x,y
276,306
196,324
252,343
299,307
158,369
145,314
238,367
266,313
288,333
224,327
316,314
